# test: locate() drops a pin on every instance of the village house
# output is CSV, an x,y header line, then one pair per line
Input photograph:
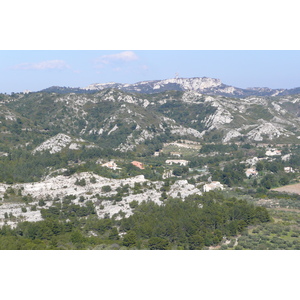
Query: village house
x,y
251,172
289,170
138,165
111,165
214,185
180,162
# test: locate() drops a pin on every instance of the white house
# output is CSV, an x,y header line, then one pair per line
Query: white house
x,y
180,162
251,172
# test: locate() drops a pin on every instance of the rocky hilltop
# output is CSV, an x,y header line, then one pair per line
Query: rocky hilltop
x,y
205,85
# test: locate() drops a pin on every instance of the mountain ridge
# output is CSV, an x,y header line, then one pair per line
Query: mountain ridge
x,y
125,121
205,85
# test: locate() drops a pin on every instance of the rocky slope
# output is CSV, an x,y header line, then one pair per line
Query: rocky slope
x,y
123,121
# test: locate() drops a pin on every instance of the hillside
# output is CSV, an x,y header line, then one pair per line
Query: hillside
x,y
116,119
184,167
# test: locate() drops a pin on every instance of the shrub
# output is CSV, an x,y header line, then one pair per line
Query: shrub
x,y
106,189
80,182
133,204
93,180
41,202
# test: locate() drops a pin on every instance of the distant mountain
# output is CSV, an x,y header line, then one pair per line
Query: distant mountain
x,y
205,85
66,90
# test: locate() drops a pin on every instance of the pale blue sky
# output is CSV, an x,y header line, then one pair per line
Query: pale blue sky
x,y
38,69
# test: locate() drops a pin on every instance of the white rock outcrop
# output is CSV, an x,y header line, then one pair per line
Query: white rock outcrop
x,y
54,144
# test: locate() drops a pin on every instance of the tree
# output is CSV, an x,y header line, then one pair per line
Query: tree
x,y
77,237
93,180
114,234
158,243
196,242
106,189
255,183
262,214
41,202
259,166
80,182
130,239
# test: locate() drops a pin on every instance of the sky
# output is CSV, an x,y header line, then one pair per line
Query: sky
x,y
38,69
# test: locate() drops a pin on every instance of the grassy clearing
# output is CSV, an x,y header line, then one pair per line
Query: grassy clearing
x,y
184,151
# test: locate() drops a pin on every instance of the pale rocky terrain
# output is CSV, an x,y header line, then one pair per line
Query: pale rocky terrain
x,y
60,186
61,141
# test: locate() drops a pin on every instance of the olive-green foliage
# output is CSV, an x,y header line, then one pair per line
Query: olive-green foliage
x,y
218,148
232,174
194,223
184,113
129,239
158,243
106,189
68,210
197,222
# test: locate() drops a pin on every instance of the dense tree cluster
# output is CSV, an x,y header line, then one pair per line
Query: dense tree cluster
x,y
232,174
198,222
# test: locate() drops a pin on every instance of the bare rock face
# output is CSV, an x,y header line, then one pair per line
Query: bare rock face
x,y
269,130
57,143
54,144
182,189
230,135
220,117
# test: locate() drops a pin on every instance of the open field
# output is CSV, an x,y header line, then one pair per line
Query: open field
x,y
185,149
291,188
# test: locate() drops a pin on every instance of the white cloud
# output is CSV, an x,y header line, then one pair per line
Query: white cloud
x,y
43,65
124,56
